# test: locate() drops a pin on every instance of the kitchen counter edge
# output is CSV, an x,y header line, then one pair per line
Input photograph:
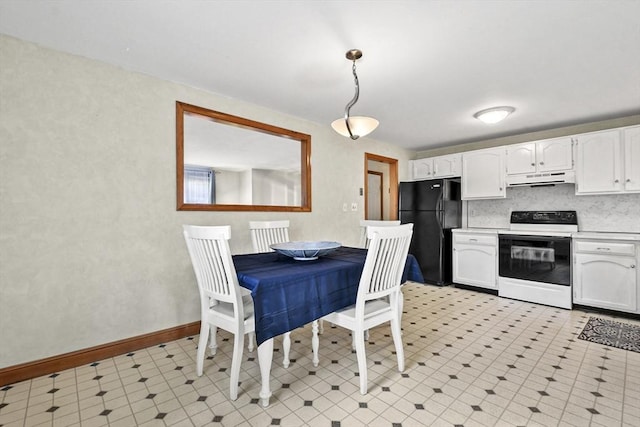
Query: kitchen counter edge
x,y
595,235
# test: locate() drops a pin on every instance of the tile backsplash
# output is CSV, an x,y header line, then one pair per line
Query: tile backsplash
x,y
611,213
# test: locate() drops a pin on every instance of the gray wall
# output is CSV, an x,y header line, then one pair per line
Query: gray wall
x,y
91,249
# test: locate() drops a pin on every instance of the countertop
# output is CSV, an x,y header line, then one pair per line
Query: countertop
x,y
635,237
477,230
608,235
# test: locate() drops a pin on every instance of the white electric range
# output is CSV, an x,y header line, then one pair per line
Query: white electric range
x,y
534,259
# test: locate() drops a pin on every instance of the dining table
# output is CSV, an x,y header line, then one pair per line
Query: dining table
x,y
289,293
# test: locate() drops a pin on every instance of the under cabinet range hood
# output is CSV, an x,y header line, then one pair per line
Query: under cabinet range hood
x,y
546,178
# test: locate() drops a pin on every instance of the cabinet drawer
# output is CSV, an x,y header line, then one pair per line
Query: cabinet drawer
x,y
475,239
606,248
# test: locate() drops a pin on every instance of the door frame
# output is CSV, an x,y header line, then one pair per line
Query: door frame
x,y
393,182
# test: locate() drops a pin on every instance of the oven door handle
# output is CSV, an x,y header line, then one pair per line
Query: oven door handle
x,y
532,237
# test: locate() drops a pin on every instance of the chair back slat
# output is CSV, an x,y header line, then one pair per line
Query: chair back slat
x,y
365,223
212,263
266,233
386,258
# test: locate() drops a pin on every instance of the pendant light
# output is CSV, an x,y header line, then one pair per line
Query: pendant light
x,y
356,126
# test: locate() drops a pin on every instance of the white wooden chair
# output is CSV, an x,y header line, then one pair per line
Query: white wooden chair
x,y
364,241
223,303
266,233
379,293
263,235
364,223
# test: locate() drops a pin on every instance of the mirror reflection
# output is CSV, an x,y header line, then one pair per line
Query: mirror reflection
x,y
230,163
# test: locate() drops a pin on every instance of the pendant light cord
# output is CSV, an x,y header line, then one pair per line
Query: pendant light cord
x,y
352,102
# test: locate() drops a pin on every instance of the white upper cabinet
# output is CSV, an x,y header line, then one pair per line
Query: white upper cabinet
x,y
608,161
631,138
483,174
550,155
521,158
554,154
436,167
447,166
421,168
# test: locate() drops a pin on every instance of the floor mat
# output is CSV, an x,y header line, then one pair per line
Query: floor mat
x,y
611,333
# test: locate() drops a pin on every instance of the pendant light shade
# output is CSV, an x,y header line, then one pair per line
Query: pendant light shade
x,y
357,126
360,126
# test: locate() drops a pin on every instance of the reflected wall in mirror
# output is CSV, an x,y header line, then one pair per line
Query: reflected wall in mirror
x,y
229,163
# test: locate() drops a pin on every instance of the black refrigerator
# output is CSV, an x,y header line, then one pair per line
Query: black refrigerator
x,y
434,208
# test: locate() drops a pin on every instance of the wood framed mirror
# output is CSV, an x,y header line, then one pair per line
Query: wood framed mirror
x,y
229,163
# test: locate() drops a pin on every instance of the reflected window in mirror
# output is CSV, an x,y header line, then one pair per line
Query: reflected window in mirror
x,y
230,163
199,184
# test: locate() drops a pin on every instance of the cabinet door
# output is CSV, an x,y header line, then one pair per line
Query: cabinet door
x,y
475,265
521,158
447,166
422,169
483,174
632,158
605,281
554,155
598,166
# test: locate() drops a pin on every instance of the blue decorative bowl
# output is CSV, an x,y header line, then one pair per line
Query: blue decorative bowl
x,y
305,251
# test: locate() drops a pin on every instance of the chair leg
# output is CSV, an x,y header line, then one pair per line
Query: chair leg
x,y
321,326
286,348
396,333
400,307
353,338
362,359
238,346
251,340
202,345
213,343
315,342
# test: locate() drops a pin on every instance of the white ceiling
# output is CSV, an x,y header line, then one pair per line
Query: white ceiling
x,y
427,65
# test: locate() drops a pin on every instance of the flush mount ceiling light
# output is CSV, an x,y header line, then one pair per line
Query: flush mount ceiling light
x,y
494,115
356,126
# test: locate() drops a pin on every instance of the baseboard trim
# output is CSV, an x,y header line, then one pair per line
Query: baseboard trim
x,y
49,365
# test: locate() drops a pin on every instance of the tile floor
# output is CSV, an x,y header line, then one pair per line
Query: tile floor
x,y
472,359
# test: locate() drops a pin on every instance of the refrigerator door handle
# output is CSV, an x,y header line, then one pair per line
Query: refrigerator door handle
x,y
440,220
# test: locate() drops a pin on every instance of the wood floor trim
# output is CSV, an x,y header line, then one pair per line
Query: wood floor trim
x,y
49,365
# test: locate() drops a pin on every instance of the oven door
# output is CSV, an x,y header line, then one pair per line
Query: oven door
x,y
544,259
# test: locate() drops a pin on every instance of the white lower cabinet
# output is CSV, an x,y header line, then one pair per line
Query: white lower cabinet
x,y
606,275
475,259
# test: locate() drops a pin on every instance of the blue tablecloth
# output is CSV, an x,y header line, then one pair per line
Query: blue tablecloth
x,y
288,293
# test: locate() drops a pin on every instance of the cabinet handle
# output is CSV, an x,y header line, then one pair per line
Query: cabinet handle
x,y
603,249
633,266
628,179
533,164
616,181
542,163
473,240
